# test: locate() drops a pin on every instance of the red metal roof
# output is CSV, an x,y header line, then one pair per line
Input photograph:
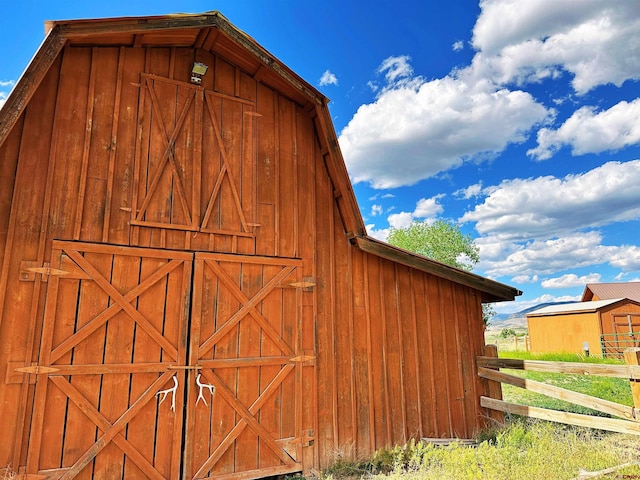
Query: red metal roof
x,y
607,291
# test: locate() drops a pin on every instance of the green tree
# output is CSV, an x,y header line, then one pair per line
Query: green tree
x,y
507,332
442,241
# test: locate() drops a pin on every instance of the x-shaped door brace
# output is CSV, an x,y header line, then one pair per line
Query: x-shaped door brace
x,y
225,170
111,432
247,419
121,302
248,308
169,156
169,153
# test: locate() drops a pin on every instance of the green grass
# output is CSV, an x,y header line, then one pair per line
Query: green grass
x,y
612,389
522,450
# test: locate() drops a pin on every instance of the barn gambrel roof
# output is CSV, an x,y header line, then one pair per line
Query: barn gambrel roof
x,y
212,32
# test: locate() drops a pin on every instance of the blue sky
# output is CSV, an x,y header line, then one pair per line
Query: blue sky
x,y
519,120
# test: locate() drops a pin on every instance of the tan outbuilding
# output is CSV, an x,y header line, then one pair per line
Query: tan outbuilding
x,y
600,327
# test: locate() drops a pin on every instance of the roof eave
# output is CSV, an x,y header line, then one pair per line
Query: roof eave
x,y
491,290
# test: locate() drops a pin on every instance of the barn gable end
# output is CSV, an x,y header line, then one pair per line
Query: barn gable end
x,y
186,285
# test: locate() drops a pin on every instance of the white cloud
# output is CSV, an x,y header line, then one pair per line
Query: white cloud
x,y
626,258
543,257
428,207
544,225
546,257
381,234
400,220
457,46
328,78
549,206
570,280
426,127
525,279
597,41
423,127
376,210
396,68
588,131
469,192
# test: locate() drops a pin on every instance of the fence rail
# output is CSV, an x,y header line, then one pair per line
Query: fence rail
x,y
629,422
512,343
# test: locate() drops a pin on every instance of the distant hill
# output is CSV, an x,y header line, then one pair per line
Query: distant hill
x,y
517,319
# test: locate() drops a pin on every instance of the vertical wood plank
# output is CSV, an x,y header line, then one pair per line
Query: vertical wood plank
x,y
413,341
393,346
90,219
266,172
289,324
38,419
325,354
247,445
440,380
287,208
227,348
117,345
371,395
453,361
306,249
360,352
342,332
468,318
112,146
406,319
270,414
87,144
247,175
426,360
380,332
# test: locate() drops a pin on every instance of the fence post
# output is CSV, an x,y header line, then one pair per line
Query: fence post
x,y
632,357
495,388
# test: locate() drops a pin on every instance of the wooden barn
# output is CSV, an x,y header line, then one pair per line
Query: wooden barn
x,y
187,289
606,327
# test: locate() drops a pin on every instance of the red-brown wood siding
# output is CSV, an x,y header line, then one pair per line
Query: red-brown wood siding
x,y
394,346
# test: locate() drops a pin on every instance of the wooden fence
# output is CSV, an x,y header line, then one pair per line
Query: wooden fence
x,y
512,343
629,417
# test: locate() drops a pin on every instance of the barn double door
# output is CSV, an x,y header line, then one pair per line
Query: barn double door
x,y
165,365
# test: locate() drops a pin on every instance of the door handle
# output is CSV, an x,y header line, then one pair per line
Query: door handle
x,y
171,390
202,386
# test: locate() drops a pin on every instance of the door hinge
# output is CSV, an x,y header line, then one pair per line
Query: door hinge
x,y
28,270
306,284
302,358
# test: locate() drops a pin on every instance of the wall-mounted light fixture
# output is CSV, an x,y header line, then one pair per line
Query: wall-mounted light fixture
x,y
197,72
